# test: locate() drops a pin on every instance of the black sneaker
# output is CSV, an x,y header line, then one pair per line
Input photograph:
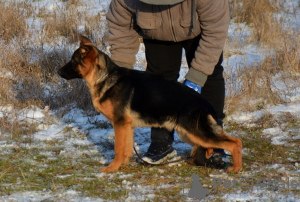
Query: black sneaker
x,y
158,153
217,160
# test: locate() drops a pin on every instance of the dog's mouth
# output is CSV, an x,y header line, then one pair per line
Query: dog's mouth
x,y
68,76
62,74
69,72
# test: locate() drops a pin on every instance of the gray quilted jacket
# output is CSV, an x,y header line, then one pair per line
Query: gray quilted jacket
x,y
128,20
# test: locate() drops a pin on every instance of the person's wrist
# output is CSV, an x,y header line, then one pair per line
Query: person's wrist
x,y
193,86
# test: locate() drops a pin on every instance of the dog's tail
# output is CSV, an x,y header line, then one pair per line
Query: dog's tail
x,y
215,127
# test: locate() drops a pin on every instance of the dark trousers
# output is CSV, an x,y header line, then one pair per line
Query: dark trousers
x,y
164,58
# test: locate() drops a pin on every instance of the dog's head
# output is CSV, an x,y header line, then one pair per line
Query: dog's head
x,y
85,62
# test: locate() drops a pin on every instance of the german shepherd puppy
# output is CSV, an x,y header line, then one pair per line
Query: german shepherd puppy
x,y
130,98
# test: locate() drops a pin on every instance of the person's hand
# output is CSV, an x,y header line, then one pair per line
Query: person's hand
x,y
193,86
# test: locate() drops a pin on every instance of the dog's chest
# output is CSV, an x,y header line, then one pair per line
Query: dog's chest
x,y
106,108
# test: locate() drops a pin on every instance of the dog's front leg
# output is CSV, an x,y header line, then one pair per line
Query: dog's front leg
x,y
123,134
129,144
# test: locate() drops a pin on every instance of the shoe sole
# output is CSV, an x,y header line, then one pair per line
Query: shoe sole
x,y
168,156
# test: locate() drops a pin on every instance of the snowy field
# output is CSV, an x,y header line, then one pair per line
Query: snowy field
x,y
61,160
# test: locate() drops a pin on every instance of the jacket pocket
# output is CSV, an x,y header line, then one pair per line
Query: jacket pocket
x,y
149,23
186,21
149,26
187,28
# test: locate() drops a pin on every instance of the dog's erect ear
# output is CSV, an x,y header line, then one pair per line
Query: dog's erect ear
x,y
85,41
88,50
86,45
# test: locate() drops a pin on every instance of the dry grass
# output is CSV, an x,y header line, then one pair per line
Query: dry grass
x,y
38,82
12,23
29,67
252,87
64,22
259,15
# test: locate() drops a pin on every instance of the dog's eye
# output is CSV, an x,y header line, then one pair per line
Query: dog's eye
x,y
73,62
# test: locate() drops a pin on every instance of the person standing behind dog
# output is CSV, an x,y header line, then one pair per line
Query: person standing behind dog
x,y
167,27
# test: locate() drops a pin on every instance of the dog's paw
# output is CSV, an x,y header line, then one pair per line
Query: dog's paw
x,y
108,169
233,169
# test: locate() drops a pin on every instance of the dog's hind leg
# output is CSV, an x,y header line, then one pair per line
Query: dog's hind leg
x,y
123,132
231,144
221,140
234,146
